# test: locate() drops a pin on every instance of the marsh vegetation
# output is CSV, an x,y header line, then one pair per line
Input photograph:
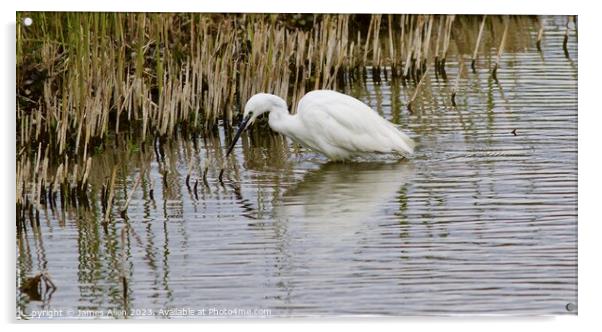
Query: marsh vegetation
x,y
85,78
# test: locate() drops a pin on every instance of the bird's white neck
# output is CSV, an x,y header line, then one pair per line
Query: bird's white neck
x,y
281,121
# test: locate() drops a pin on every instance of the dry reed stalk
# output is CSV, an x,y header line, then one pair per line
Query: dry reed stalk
x,y
392,49
370,27
402,44
457,82
446,40
376,47
437,42
500,49
476,47
417,54
86,173
427,41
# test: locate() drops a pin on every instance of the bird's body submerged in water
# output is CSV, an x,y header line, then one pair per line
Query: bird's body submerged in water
x,y
334,124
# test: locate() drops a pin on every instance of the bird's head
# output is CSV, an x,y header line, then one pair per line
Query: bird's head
x,y
259,104
256,106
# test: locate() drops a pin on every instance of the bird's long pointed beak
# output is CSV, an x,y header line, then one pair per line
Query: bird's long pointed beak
x,y
241,128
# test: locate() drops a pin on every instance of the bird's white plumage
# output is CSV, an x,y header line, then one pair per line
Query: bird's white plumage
x,y
349,126
334,124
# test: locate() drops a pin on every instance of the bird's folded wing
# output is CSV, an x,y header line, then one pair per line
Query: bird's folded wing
x,y
355,128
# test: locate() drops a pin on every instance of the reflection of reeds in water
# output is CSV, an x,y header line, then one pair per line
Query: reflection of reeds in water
x,y
82,78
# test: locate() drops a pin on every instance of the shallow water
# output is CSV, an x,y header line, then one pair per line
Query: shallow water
x,y
480,221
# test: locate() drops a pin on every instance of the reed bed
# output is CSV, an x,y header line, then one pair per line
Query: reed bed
x,y
85,78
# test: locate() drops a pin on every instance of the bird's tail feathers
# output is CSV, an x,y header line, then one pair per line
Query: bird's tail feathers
x,y
408,141
405,139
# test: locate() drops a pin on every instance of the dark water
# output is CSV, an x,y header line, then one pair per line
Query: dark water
x,y
480,221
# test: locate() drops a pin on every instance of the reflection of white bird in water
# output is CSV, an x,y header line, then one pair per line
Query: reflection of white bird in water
x,y
338,200
336,125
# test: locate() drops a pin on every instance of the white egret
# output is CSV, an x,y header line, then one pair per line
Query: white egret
x,y
334,124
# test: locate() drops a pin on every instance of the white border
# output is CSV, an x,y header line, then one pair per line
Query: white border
x,y
589,147
313,6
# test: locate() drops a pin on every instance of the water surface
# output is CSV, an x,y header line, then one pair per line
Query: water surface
x,y
482,220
